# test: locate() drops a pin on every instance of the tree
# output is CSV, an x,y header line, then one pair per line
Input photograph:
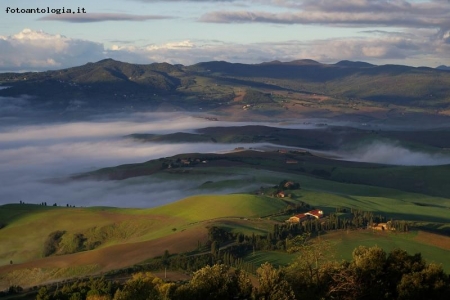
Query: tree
x,y
165,262
398,263
166,290
272,284
344,284
43,294
51,244
97,297
215,248
310,272
216,282
429,283
368,266
141,286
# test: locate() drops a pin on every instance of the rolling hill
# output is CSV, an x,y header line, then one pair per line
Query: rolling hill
x,y
134,235
219,84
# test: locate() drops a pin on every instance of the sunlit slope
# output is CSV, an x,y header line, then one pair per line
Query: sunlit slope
x,y
23,237
138,234
131,234
204,207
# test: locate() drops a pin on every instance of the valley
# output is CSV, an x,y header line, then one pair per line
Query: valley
x,y
113,168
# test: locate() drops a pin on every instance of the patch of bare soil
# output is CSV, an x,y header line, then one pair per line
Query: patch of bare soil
x,y
434,239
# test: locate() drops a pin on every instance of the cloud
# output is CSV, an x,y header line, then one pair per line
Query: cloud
x,y
350,13
385,47
100,17
34,159
105,126
377,47
9,105
153,1
182,45
394,154
38,50
31,157
349,19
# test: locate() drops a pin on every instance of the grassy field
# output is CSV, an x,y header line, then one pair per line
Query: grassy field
x,y
428,245
135,235
429,180
274,257
127,233
199,208
432,247
329,194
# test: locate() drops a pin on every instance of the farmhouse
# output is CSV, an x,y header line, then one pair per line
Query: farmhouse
x,y
298,218
289,184
281,194
312,214
291,161
382,226
185,161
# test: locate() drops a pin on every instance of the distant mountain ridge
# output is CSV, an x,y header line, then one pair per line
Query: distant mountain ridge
x,y
119,82
443,67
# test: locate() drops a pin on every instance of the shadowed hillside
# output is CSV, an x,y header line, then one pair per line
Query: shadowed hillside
x,y
215,84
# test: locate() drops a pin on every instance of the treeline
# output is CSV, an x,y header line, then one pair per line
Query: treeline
x,y
371,274
281,233
256,97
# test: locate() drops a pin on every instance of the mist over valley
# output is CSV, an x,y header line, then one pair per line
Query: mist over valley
x,y
37,160
115,160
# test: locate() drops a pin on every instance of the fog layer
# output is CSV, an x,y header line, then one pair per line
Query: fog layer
x,y
31,156
394,154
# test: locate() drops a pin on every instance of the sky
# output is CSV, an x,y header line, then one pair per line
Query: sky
x,y
407,32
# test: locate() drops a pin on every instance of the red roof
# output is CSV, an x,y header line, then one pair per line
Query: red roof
x,y
301,216
315,213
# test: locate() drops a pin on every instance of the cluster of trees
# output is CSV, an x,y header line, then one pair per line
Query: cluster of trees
x,y
183,262
179,163
51,243
287,185
62,242
44,204
256,97
355,219
295,208
371,274
282,233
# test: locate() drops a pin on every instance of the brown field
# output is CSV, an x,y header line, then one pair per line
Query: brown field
x,y
434,239
101,260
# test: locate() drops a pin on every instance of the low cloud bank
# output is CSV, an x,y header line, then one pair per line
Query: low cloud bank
x,y
31,155
10,105
394,154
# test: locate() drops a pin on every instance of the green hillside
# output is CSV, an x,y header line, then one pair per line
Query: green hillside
x,y
102,227
206,207
347,87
